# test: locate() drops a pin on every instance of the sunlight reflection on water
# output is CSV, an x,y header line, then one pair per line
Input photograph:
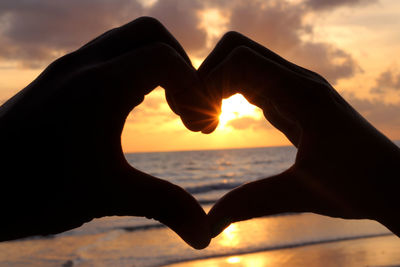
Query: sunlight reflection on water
x,y
230,237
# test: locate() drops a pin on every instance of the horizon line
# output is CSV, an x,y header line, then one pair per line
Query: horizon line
x,y
206,149
397,142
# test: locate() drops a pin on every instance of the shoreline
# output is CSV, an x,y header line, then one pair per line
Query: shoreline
x,y
306,254
267,240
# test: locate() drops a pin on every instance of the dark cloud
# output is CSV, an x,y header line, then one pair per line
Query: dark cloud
x,y
38,31
387,81
329,4
275,24
181,18
244,123
279,26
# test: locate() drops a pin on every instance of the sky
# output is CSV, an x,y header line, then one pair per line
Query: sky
x,y
355,44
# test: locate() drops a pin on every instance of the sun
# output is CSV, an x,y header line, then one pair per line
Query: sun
x,y
236,107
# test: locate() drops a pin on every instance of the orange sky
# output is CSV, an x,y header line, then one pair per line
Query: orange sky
x,y
355,44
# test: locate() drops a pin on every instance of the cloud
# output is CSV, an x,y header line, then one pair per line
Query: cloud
x,y
383,116
331,62
146,115
387,81
181,18
329,4
280,27
154,107
247,122
35,32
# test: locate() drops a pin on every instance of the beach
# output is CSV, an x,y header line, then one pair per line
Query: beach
x,y
382,251
282,240
290,240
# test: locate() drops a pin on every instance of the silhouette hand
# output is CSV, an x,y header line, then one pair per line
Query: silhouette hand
x,y
60,137
344,166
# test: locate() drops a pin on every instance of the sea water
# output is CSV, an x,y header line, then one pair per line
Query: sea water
x,y
208,175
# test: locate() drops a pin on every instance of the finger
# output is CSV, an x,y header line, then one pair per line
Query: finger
x,y
134,193
159,64
137,33
264,82
135,74
232,40
291,130
98,38
274,195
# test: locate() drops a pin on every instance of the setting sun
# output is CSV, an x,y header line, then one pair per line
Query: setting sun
x,y
236,107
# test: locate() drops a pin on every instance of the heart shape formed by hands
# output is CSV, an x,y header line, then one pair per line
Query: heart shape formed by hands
x,y
339,156
78,106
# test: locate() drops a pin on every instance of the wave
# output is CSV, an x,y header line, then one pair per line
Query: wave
x,y
278,247
204,202
140,227
211,187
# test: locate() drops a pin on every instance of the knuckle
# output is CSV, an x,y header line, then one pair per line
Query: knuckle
x,y
56,64
166,53
316,76
240,54
242,50
150,23
232,39
65,62
163,48
232,36
94,72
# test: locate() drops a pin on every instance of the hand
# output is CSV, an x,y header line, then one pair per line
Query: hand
x,y
344,166
62,161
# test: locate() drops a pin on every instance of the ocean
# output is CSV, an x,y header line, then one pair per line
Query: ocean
x,y
208,175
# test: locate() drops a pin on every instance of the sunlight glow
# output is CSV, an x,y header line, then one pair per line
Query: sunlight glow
x,y
233,260
229,237
196,62
236,107
147,3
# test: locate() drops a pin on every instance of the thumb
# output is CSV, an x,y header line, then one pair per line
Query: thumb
x,y
273,195
135,193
